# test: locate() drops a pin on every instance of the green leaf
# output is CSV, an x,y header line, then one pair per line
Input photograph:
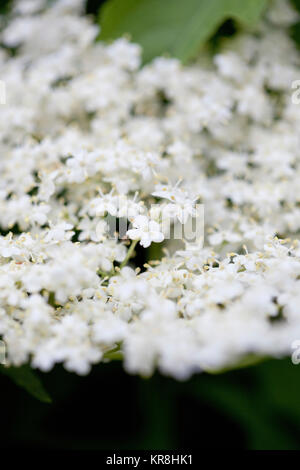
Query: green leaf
x,y
246,361
296,4
264,400
295,33
295,28
176,27
24,377
4,7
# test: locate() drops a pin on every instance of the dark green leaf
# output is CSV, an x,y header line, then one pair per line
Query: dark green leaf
x,y
264,400
24,377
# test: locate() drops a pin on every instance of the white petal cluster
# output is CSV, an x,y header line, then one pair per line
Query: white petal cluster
x,y
88,134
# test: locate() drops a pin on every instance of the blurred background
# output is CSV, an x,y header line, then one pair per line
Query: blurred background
x,y
254,408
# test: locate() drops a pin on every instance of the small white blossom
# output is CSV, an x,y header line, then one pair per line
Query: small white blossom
x,y
145,230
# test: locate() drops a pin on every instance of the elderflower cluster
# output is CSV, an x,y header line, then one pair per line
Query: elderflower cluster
x,y
88,133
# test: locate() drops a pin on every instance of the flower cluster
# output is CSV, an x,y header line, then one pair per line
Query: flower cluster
x,y
89,134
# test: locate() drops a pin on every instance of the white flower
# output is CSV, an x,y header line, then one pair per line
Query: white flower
x,y
109,329
59,232
183,206
100,205
39,214
8,248
145,230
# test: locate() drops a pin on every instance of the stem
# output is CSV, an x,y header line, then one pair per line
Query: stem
x,y
129,253
103,273
106,276
114,354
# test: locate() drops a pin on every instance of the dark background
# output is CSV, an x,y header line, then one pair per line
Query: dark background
x,y
254,408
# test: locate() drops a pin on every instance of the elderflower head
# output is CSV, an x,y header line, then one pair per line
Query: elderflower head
x,y
93,141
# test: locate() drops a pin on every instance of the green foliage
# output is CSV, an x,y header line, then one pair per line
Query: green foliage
x,y
175,27
295,29
264,400
295,33
24,377
296,4
4,6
